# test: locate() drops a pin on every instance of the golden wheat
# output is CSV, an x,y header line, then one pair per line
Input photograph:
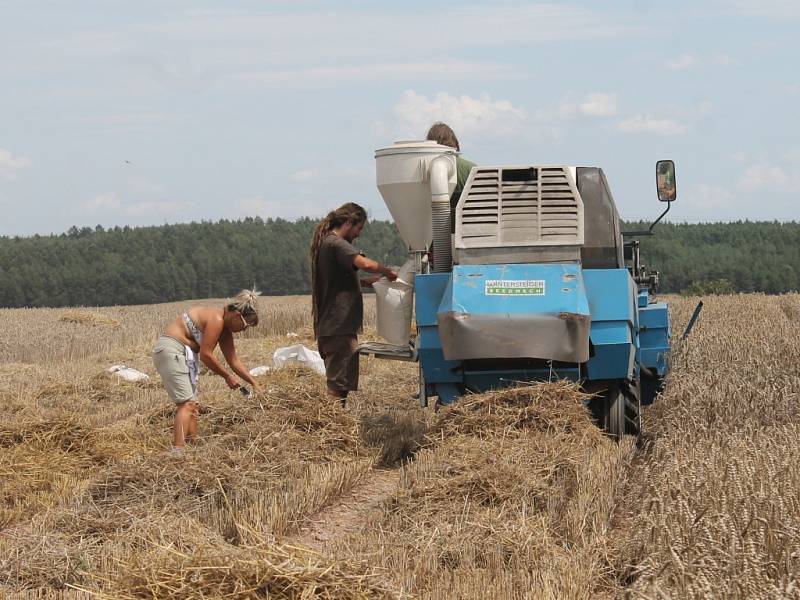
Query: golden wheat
x,y
512,494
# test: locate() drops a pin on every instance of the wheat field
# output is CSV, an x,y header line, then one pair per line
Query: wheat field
x,y
510,494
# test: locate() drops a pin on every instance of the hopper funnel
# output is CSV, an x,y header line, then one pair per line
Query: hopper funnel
x,y
407,181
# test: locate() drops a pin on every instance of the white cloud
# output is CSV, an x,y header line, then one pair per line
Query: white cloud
x,y
363,32
111,203
770,9
701,109
324,76
102,202
685,61
599,104
281,45
702,197
303,175
650,124
258,205
125,120
595,104
689,61
10,165
471,116
329,172
768,176
792,155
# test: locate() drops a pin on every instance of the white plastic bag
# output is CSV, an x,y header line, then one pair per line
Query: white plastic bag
x,y
299,355
258,371
127,373
394,303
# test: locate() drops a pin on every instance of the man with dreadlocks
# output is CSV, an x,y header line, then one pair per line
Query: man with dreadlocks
x,y
337,304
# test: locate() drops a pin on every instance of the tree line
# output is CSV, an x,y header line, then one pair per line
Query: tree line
x,y
144,265
742,256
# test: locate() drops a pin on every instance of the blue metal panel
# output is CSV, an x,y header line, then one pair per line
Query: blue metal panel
x,y
561,289
644,298
515,311
614,351
428,290
434,366
447,392
654,337
611,293
612,301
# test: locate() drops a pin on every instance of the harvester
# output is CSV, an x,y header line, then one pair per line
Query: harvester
x,y
533,281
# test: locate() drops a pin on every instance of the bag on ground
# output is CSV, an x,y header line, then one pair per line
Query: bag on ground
x,y
298,355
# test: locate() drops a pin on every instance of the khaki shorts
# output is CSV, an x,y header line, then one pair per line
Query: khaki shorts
x,y
169,358
341,362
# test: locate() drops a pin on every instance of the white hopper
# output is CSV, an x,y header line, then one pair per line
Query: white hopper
x,y
409,174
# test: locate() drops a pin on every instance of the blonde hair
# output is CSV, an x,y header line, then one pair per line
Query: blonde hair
x,y
246,304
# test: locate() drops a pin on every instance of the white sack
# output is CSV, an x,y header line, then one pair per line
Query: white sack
x,y
394,303
127,373
299,355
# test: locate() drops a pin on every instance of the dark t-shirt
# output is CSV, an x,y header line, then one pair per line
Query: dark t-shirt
x,y
337,290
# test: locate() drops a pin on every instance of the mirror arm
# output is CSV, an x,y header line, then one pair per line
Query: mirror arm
x,y
661,216
653,224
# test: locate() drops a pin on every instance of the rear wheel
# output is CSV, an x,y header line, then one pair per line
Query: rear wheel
x,y
618,409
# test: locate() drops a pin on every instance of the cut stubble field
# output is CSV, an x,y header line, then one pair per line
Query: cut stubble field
x,y
510,494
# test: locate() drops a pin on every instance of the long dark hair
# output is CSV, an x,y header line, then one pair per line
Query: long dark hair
x,y
442,134
346,213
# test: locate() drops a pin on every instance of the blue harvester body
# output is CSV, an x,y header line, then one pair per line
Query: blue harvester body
x,y
599,309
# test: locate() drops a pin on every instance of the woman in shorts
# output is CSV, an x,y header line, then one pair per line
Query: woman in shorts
x,y
196,333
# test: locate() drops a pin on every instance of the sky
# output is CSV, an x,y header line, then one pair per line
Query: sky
x,y
152,112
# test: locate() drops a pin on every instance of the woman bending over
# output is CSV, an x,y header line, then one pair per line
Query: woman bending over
x,y
196,333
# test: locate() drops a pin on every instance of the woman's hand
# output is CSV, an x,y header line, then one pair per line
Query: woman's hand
x,y
257,388
232,382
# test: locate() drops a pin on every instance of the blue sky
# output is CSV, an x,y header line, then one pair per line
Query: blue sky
x,y
122,113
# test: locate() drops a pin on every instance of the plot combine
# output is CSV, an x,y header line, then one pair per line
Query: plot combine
x,y
534,281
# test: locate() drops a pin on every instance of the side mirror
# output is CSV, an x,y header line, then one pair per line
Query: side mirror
x,y
665,181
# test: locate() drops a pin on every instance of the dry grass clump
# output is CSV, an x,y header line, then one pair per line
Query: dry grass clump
x,y
512,494
399,435
85,467
555,408
84,317
264,571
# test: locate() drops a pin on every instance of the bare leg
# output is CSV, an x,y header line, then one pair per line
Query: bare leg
x,y
191,433
182,429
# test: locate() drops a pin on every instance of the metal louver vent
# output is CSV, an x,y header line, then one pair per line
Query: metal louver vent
x,y
525,206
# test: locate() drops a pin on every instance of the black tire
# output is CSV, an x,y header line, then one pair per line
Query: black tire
x,y
619,410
